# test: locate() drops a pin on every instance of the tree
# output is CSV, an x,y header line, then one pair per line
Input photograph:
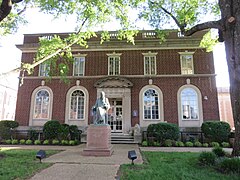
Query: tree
x,y
186,14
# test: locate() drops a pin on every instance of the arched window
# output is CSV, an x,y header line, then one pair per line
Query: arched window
x,y
41,105
151,105
189,104
77,105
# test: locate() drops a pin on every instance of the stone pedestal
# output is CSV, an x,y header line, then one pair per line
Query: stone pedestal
x,y
98,141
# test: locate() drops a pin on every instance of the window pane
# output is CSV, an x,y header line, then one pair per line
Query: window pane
x,y
77,105
44,69
41,106
187,64
150,65
151,104
79,63
114,65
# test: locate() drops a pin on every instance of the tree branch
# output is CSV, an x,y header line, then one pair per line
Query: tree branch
x,y
206,25
5,9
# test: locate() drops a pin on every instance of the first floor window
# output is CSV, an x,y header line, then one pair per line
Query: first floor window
x,y
189,104
41,105
151,104
77,105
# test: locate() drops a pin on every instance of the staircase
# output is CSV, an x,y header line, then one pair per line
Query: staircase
x,y
122,139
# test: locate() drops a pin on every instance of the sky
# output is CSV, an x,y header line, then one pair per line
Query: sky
x,y
42,23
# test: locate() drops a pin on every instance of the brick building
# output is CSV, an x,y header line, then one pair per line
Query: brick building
x,y
149,82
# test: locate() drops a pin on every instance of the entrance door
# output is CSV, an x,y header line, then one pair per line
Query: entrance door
x,y
115,115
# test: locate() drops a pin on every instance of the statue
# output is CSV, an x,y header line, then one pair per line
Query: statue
x,y
100,109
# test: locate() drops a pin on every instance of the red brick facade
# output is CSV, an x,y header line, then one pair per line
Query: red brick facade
x,y
168,78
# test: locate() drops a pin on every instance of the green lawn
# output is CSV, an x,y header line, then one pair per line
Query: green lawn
x,y
20,164
171,166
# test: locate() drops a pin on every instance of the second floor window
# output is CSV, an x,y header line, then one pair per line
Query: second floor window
x,y
44,69
113,65
149,65
186,63
79,66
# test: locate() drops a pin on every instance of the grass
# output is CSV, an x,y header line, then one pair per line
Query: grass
x,y
171,166
20,164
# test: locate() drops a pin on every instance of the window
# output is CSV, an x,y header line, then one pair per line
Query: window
x,y
186,63
77,105
149,65
113,65
41,105
151,104
79,66
44,69
189,104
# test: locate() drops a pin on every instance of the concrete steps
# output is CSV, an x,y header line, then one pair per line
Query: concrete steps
x,y
122,139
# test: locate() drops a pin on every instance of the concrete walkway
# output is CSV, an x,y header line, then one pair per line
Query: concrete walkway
x,y
71,165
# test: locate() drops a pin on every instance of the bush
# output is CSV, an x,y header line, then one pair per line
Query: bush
x,y
64,142
72,142
10,124
168,143
229,165
37,142
216,130
219,151
32,134
214,144
8,141
5,128
144,143
29,142
179,144
225,144
207,158
55,142
197,144
205,145
64,132
189,144
163,131
46,142
74,132
22,141
51,129
14,141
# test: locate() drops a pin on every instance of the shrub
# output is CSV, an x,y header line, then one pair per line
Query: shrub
x,y
64,132
144,143
74,132
163,131
197,144
37,142
205,145
29,142
179,144
216,130
189,144
14,141
225,144
64,142
51,129
55,142
46,142
207,158
5,128
168,143
32,134
22,141
229,165
10,123
8,141
72,142
214,144
219,151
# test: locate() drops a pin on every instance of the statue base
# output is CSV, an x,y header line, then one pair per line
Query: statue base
x,y
98,141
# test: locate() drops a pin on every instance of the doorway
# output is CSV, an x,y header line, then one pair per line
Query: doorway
x,y
115,113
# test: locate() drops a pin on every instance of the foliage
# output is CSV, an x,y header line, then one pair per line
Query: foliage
x,y
29,142
72,142
144,143
10,124
5,128
14,141
205,144
188,144
216,130
46,142
179,144
51,129
74,132
219,151
207,158
32,134
197,144
22,141
64,132
20,164
55,142
214,144
37,142
225,144
229,165
65,142
168,143
163,131
8,141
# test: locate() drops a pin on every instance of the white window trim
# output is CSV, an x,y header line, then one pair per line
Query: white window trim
x,y
181,55
194,122
114,55
145,122
79,56
150,54
43,65
36,121
78,122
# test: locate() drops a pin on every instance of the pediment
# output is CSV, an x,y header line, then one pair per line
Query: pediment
x,y
113,82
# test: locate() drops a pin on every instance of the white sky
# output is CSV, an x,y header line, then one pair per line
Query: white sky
x,y
41,23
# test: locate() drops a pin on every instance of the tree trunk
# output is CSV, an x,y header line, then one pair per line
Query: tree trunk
x,y
230,11
5,9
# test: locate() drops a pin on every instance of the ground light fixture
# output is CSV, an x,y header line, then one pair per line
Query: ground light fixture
x,y
132,155
40,155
